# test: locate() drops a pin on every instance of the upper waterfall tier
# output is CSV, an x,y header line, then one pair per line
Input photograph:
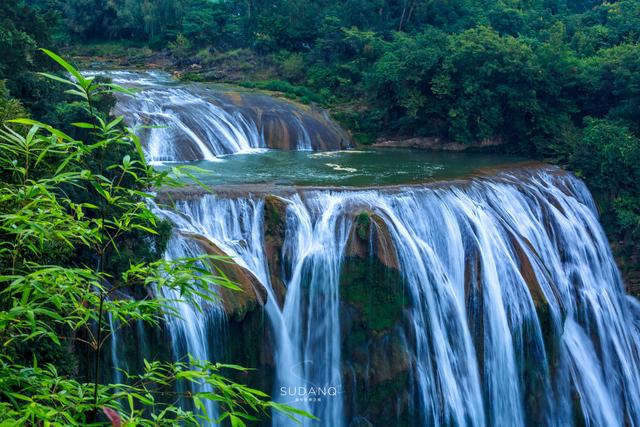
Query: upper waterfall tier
x,y
187,121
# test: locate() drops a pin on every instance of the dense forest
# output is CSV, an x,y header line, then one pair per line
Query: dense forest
x,y
555,80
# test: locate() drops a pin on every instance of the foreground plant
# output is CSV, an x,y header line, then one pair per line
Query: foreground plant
x,y
69,217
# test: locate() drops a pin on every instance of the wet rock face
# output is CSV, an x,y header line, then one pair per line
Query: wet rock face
x,y
370,280
284,124
236,303
474,302
251,344
533,371
373,299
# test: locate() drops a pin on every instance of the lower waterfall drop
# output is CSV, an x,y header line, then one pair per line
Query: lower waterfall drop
x,y
515,315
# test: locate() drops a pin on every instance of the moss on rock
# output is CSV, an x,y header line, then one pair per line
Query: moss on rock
x,y
363,225
375,290
373,299
370,280
275,211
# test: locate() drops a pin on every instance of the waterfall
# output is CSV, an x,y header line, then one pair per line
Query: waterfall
x,y
180,122
194,332
516,312
114,351
235,225
186,125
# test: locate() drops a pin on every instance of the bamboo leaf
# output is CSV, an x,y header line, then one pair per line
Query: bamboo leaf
x,y
65,65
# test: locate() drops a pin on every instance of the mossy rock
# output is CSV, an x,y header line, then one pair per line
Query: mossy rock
x,y
275,211
375,290
373,301
363,225
250,344
370,236
370,280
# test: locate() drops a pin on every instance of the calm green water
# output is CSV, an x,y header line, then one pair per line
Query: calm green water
x,y
370,167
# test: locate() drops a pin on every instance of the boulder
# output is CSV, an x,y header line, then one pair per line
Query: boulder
x,y
283,122
370,280
236,303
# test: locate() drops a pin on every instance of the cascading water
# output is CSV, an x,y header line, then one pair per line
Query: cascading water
x,y
195,332
516,313
189,122
188,125
115,351
235,225
302,348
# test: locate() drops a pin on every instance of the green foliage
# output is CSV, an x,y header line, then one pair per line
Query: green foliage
x,y
22,31
180,47
10,108
56,302
292,66
154,22
608,157
490,81
615,75
402,75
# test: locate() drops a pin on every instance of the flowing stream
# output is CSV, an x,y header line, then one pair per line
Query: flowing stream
x,y
513,311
